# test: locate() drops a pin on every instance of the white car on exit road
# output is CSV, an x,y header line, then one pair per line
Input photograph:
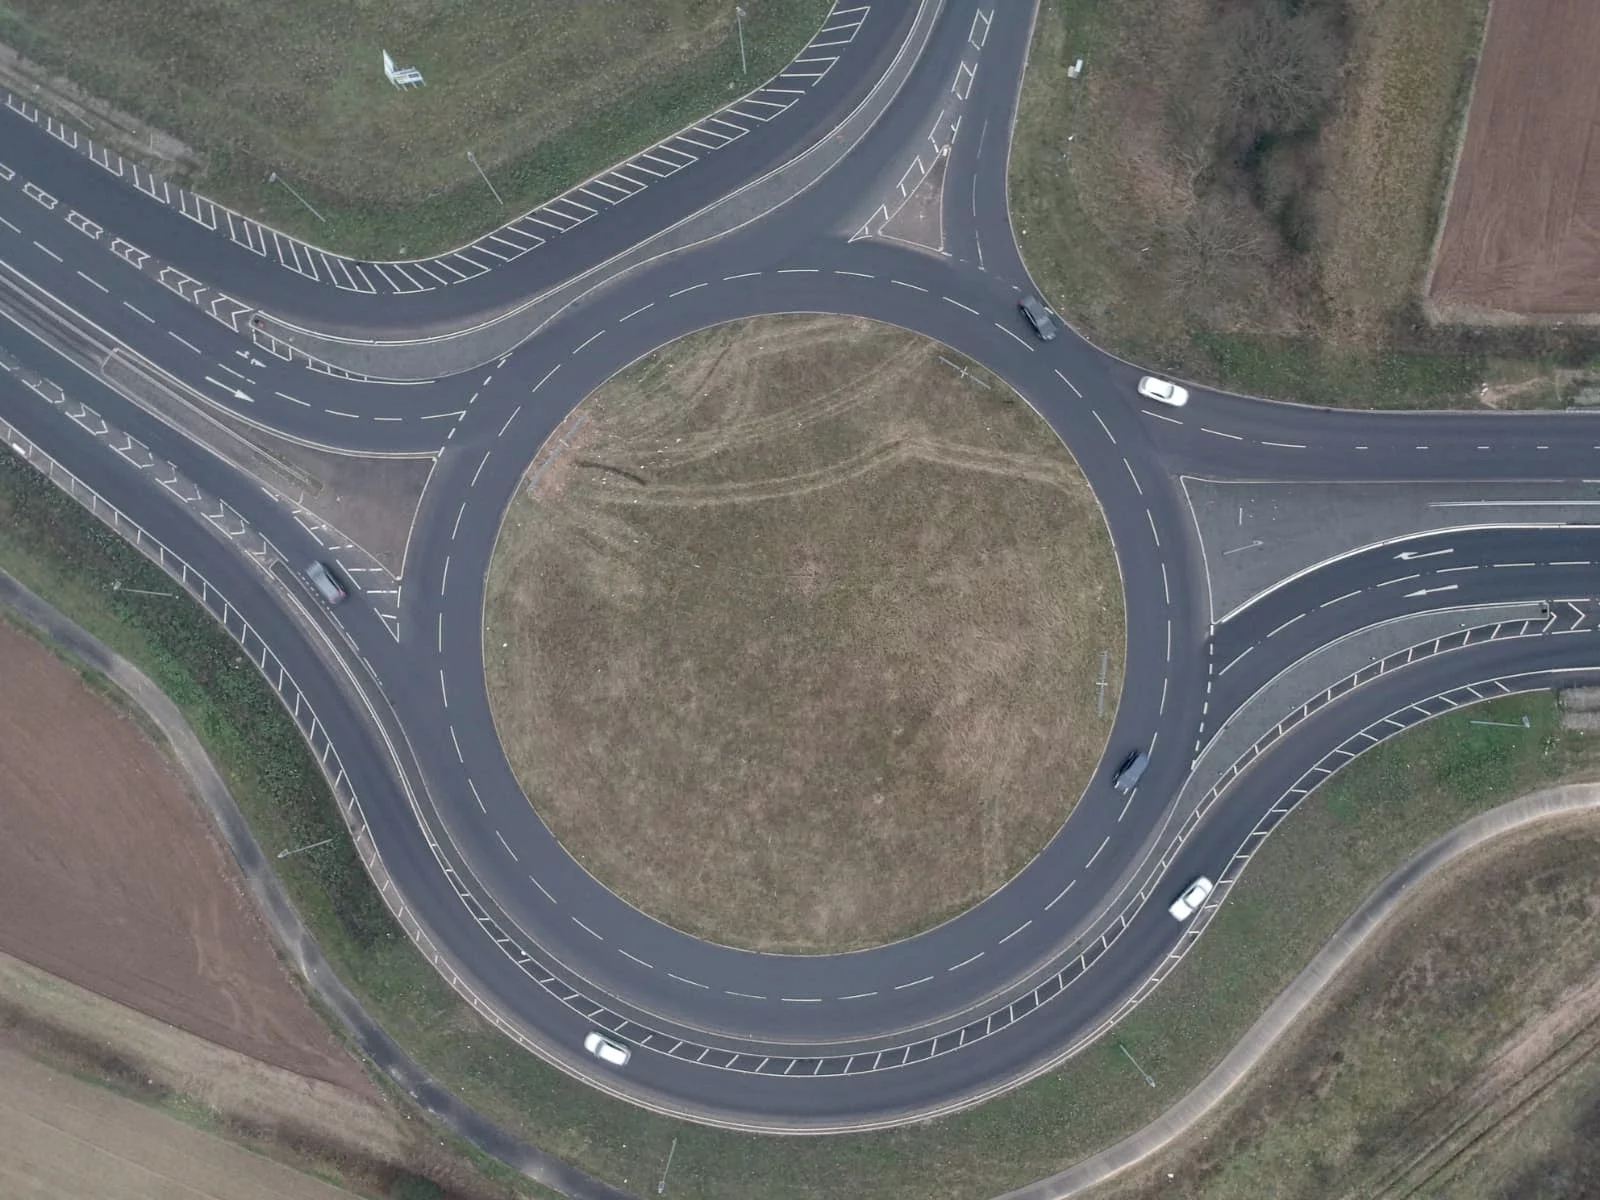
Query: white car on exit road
x,y
1186,905
1163,391
606,1050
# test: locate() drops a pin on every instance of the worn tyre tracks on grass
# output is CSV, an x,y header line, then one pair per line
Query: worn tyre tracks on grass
x,y
1313,982
280,915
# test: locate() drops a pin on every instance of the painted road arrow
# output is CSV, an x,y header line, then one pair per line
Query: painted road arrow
x,y
236,393
1409,555
1449,587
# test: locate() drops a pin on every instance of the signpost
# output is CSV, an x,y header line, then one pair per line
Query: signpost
x,y
401,77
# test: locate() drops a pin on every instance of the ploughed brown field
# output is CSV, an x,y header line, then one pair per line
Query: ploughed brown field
x,y
1522,229
111,876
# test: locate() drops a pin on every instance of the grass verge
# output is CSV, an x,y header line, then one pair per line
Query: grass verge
x,y
1297,275
545,92
911,712
1315,868
1456,1058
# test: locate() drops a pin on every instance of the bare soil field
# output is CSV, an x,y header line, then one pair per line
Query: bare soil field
x,y
1459,1059
817,620
1522,230
60,1136
110,876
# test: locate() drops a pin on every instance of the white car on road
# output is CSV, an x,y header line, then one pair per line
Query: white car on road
x,y
1163,391
1186,905
606,1050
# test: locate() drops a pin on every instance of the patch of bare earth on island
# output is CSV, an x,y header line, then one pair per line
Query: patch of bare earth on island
x,y
816,619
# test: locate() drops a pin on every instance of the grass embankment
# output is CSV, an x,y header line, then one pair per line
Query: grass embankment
x,y
545,93
1311,873
1457,1058
1270,241
911,711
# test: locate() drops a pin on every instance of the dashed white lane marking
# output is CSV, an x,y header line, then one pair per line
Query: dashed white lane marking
x,y
631,315
1069,383
48,251
1515,564
507,845
1473,567
95,282
444,575
176,338
1237,660
136,312
693,287
858,275
966,961
904,284
1166,590
479,471
334,412
455,741
1288,623
1153,532
1103,427
503,429
542,888
801,999
551,372
1285,445
1162,711
681,979
292,399
1336,599
1133,477
440,639
443,694
1061,893
858,995
1397,579
1017,337
798,270
459,515
587,930
900,987
636,958
1160,416
959,305
742,995
1169,639
1026,923
482,809
588,339
9,225
1220,434
741,275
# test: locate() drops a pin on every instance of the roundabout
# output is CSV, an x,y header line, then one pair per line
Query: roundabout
x,y
756,727
792,638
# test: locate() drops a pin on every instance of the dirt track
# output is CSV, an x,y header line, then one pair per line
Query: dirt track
x,y
110,877
1522,231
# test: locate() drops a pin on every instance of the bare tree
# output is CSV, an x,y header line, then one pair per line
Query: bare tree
x,y
1283,69
1217,241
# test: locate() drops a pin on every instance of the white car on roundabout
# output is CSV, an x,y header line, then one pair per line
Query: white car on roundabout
x,y
1186,905
606,1050
1163,391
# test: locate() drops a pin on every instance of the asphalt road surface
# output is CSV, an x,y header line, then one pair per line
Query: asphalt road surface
x,y
96,269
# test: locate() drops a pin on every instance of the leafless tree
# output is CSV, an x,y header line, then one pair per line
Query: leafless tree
x,y
1283,69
